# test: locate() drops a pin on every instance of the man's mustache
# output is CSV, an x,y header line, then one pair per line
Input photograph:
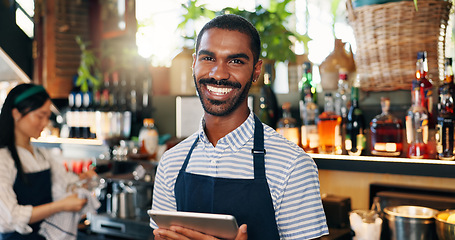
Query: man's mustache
x,y
222,82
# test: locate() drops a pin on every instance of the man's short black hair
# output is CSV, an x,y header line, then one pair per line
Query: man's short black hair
x,y
234,22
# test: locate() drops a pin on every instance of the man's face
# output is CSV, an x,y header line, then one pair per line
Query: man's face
x,y
223,70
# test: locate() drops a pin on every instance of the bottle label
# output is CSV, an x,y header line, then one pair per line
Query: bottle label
x,y
385,147
409,130
310,136
292,134
148,139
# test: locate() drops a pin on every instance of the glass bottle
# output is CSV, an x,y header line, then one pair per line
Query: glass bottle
x,y
417,125
268,107
446,116
309,132
148,138
426,85
329,128
342,103
355,142
342,94
287,125
306,83
386,132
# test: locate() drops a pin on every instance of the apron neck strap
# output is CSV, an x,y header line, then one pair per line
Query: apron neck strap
x,y
258,150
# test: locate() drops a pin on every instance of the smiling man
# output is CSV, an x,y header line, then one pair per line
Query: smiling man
x,y
234,164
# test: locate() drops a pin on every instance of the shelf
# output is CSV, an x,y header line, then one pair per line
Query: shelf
x,y
389,165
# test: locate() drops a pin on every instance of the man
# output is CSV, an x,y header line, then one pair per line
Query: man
x,y
223,167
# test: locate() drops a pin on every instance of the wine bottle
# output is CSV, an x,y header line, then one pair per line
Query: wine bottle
x,y
268,107
355,142
287,125
417,125
446,115
309,132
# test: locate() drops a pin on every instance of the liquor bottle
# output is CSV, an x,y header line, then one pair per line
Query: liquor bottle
x,y
77,116
417,125
329,128
342,94
125,112
446,115
287,125
306,84
148,138
309,132
103,123
386,132
355,142
85,115
268,107
114,113
426,85
342,103
70,114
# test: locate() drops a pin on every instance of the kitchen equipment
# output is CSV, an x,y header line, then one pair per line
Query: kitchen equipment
x,y
123,200
444,229
411,222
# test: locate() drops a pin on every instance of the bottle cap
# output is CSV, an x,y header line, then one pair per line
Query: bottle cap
x,y
149,121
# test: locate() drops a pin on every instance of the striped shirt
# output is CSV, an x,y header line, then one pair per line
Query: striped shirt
x,y
291,174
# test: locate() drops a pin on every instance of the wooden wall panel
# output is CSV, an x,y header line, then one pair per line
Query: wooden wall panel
x,y
63,20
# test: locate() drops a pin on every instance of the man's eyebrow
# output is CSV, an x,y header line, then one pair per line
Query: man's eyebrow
x,y
239,55
205,52
232,56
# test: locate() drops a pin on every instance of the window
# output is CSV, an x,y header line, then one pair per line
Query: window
x,y
25,10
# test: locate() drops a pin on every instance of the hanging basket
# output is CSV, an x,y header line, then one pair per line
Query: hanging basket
x,y
388,37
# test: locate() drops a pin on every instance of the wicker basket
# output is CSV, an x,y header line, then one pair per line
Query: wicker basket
x,y
388,37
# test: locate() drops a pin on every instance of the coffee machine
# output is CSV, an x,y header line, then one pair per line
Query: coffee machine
x,y
125,193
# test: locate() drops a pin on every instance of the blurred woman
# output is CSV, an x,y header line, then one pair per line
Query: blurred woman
x,y
29,176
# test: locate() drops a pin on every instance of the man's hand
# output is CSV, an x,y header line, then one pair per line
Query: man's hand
x,y
176,232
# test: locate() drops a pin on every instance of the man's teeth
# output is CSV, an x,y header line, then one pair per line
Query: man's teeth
x,y
219,90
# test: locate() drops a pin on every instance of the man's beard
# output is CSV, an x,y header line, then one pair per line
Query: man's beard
x,y
231,104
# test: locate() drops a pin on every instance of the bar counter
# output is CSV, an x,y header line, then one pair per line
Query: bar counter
x,y
389,165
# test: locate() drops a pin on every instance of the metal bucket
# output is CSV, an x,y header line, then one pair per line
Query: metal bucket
x,y
411,222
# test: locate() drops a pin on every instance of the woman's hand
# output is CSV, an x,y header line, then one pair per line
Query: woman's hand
x,y
72,203
88,174
176,232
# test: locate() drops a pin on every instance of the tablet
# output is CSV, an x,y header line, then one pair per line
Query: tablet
x,y
217,225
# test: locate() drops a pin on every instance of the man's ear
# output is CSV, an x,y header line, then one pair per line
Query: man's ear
x,y
257,70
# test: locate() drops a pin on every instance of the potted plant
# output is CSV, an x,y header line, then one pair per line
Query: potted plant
x,y
277,40
88,73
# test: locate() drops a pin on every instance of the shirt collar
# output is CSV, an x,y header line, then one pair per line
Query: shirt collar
x,y
235,139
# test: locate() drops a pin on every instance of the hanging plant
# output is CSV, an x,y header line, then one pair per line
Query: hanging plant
x,y
88,73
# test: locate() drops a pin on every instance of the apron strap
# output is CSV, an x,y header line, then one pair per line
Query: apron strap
x,y
187,159
258,150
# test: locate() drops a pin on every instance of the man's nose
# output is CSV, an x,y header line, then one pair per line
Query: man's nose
x,y
219,72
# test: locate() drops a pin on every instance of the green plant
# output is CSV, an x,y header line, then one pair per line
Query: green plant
x,y
88,73
194,13
277,39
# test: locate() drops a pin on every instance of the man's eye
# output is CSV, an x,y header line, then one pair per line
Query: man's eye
x,y
237,61
207,58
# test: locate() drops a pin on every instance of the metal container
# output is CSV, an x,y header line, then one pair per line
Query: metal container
x,y
411,222
444,229
123,201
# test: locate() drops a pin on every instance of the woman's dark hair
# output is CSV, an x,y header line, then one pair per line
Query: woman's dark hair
x,y
234,22
25,98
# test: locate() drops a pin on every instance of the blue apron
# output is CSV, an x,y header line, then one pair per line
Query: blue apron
x,y
35,193
249,200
